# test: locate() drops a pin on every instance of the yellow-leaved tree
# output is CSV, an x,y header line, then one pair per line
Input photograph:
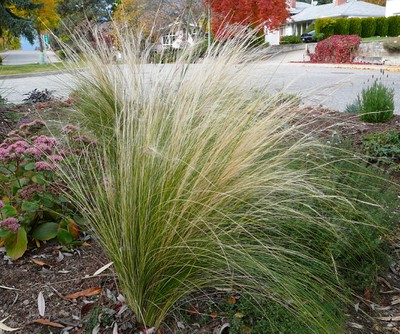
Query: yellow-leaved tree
x,y
45,18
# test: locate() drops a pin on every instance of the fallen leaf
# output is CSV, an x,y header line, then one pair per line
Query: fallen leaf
x,y
231,300
103,268
84,293
86,309
367,294
213,315
6,328
40,263
396,301
355,325
239,315
41,304
192,310
48,323
60,257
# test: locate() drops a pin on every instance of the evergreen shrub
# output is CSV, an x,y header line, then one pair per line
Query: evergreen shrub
x,y
341,26
368,27
325,26
382,26
393,26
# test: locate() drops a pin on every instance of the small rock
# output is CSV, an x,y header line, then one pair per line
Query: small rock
x,y
25,302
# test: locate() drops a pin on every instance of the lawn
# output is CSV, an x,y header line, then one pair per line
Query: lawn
x,y
29,68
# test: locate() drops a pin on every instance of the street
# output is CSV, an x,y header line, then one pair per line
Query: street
x,y
19,57
318,84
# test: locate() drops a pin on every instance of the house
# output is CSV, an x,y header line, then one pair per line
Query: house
x,y
392,7
302,16
177,35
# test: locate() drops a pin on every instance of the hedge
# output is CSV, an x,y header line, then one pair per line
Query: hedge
x,y
363,27
394,26
368,27
355,26
290,40
382,25
325,26
341,26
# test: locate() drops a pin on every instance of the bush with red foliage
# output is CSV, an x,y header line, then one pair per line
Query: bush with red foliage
x,y
336,49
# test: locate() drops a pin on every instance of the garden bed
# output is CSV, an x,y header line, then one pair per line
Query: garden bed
x,y
46,278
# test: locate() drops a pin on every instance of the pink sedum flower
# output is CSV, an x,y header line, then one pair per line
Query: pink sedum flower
x,y
45,166
11,223
29,191
55,158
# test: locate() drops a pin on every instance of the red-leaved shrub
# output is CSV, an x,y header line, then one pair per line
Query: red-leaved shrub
x,y
336,49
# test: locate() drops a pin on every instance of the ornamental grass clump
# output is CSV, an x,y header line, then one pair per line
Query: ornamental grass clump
x,y
195,184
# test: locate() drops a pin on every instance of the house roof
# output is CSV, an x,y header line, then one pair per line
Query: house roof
x,y
300,6
353,8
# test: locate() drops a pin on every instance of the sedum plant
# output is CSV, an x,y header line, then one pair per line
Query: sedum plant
x,y
196,183
32,197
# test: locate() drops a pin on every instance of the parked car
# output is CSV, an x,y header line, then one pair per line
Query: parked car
x,y
308,37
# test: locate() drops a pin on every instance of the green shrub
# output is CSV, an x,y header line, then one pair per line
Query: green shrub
x,y
383,146
393,26
376,103
355,26
311,27
382,25
290,40
325,26
353,108
319,37
197,184
368,27
392,45
341,26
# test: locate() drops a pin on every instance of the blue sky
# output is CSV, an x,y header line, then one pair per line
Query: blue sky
x,y
26,46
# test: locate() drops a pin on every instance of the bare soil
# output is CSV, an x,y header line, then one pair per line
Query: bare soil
x,y
35,291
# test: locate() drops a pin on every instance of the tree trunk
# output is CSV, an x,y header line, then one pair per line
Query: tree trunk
x,y
40,40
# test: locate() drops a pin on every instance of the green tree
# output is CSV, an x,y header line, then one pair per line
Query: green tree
x,y
13,20
46,17
77,16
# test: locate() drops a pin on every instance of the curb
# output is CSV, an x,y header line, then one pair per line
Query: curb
x,y
30,75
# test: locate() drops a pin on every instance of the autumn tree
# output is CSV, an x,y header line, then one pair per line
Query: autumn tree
x,y
154,16
13,18
45,18
251,13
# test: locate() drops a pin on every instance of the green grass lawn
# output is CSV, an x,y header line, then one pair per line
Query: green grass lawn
x,y
29,68
375,39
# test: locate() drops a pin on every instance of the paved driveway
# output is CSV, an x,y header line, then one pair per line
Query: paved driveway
x,y
18,57
326,85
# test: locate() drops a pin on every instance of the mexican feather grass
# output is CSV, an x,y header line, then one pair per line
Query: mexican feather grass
x,y
197,183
